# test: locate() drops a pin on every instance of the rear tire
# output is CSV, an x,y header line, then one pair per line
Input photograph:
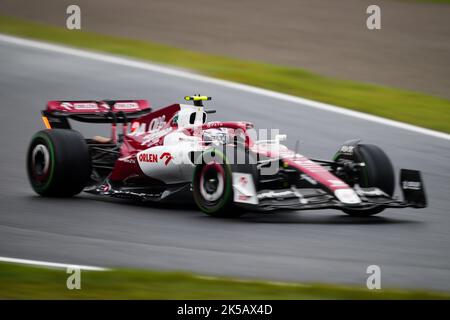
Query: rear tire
x,y
58,163
377,173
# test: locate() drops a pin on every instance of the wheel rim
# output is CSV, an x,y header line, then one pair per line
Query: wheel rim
x,y
212,183
40,162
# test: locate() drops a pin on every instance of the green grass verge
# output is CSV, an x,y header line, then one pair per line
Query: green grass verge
x,y
407,106
25,282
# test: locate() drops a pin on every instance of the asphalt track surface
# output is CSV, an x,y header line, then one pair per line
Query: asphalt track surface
x,y
411,246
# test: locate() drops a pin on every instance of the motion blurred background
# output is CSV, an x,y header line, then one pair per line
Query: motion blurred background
x,y
316,49
329,37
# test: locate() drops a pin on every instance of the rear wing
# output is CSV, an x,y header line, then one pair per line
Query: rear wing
x,y
57,113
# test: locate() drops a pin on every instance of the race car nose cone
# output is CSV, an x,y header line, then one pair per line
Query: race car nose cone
x,y
347,196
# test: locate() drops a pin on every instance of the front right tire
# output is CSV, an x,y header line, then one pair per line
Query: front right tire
x,y
378,172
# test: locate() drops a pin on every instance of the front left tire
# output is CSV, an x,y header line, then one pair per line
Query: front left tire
x,y
213,180
212,185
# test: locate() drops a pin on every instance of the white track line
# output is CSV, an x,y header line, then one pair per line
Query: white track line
x,y
242,87
51,264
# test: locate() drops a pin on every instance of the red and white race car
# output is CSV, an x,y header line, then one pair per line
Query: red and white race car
x,y
157,155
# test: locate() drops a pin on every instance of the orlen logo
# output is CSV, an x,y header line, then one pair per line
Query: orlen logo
x,y
167,156
85,106
148,157
126,106
79,106
151,157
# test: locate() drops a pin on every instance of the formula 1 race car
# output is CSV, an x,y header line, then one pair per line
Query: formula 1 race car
x,y
157,155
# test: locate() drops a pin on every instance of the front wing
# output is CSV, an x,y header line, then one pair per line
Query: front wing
x,y
293,198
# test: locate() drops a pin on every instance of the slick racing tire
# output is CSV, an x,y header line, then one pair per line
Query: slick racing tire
x,y
58,163
213,184
378,172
